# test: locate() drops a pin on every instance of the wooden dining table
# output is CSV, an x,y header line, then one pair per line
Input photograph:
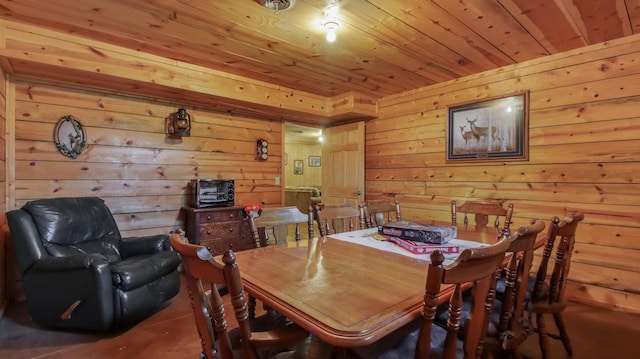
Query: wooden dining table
x,y
344,293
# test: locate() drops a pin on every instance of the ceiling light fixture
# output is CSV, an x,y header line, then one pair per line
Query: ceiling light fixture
x,y
331,27
330,22
277,5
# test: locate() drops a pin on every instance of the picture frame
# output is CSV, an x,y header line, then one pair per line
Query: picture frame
x,y
494,129
314,161
297,167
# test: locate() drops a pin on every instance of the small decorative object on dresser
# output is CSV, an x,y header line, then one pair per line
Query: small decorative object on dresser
x,y
218,228
253,210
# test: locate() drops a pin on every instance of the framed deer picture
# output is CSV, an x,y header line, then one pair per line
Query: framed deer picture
x,y
495,129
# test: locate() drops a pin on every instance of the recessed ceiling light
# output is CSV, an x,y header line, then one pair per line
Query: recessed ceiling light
x,y
277,5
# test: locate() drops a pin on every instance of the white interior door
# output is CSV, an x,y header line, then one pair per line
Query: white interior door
x,y
343,164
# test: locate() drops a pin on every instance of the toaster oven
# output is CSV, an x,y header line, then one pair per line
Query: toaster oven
x,y
212,193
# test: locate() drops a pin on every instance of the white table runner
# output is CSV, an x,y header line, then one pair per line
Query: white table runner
x,y
366,237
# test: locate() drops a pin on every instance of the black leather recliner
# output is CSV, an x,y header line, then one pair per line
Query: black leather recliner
x,y
79,273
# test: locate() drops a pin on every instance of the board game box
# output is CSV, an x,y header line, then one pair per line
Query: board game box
x,y
423,248
419,232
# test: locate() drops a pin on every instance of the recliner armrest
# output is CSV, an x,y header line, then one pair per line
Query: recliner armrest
x,y
69,263
134,246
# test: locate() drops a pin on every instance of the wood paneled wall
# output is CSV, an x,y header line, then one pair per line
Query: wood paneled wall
x,y
584,136
4,266
311,176
129,161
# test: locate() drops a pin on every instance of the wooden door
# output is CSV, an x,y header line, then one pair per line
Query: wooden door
x,y
343,161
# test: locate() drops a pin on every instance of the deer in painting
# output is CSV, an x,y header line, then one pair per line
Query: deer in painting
x,y
479,132
467,135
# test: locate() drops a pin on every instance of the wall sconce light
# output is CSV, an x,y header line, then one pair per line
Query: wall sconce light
x,y
178,124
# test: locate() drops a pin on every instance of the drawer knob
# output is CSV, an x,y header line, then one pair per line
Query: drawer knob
x,y
208,217
208,231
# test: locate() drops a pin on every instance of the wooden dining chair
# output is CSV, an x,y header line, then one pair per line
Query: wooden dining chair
x,y
336,218
481,212
256,338
423,338
375,213
548,296
274,223
508,324
511,289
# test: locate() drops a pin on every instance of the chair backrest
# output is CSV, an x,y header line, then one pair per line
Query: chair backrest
x,y
562,236
61,227
375,213
477,266
274,222
482,211
336,218
271,334
203,274
511,328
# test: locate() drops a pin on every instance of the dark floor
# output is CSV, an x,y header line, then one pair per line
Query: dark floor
x,y
171,333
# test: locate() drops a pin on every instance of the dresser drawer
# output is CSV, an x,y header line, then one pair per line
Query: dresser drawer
x,y
219,246
220,230
220,216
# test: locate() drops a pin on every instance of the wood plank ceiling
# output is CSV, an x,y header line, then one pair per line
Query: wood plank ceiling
x,y
383,47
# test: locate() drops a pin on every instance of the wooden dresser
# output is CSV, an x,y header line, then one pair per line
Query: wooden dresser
x,y
218,228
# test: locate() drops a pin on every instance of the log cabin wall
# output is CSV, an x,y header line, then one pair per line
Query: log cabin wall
x,y
129,161
4,266
584,154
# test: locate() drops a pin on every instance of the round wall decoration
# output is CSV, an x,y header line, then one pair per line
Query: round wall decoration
x,y
69,136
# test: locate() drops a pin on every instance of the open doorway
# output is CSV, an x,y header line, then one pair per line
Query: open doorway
x,y
302,171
